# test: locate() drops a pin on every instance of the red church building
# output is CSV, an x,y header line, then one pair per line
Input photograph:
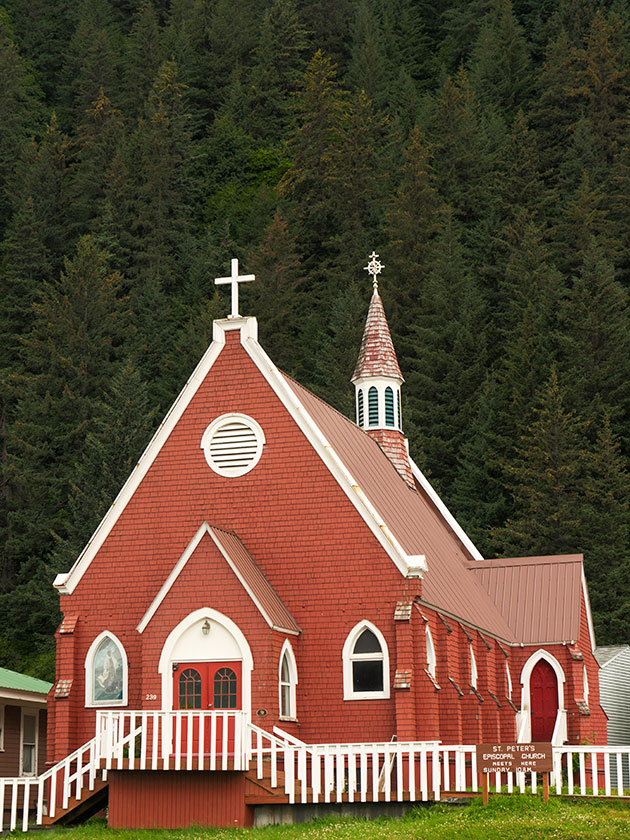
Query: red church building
x,y
272,567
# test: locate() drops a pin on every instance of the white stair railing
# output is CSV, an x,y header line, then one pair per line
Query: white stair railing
x,y
42,794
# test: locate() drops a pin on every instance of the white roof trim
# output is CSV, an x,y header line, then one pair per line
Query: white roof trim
x,y
408,565
177,568
589,615
448,516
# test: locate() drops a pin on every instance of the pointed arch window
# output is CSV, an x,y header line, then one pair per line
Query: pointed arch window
x,y
106,672
431,660
287,681
365,664
389,407
508,680
360,407
373,406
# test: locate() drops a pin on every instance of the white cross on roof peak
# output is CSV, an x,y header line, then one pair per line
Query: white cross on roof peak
x,y
234,279
374,267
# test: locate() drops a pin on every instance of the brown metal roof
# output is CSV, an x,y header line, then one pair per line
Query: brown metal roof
x,y
256,582
412,518
377,356
539,597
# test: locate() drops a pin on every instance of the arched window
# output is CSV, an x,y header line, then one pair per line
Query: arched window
x,y
399,412
508,681
373,406
473,668
225,689
189,689
431,661
365,664
389,407
106,672
287,681
360,407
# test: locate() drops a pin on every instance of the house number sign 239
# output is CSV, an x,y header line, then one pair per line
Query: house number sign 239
x,y
150,696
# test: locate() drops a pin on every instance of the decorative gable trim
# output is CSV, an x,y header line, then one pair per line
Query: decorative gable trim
x,y
408,565
178,567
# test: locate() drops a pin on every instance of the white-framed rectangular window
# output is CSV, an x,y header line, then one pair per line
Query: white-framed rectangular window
x,y
28,742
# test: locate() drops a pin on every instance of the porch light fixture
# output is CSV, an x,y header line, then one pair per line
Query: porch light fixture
x,y
205,627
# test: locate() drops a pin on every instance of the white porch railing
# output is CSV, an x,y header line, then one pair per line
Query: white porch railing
x,y
178,740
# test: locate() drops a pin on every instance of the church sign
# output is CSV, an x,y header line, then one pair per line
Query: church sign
x,y
515,758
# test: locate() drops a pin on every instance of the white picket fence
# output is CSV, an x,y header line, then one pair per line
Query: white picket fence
x,y
306,773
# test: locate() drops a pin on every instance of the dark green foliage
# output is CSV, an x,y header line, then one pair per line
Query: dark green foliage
x,y
546,474
500,67
121,430
482,148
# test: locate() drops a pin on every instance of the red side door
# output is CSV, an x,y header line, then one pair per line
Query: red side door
x,y
544,700
208,686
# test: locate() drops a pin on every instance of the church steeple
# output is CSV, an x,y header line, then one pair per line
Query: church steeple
x,y
377,381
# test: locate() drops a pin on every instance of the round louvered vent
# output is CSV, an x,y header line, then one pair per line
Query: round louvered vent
x,y
233,444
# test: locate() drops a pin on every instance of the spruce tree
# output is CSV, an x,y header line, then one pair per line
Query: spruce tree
x,y
545,477
19,110
320,109
500,71
122,428
595,345
100,134
279,63
606,536
80,325
91,61
444,357
276,296
142,59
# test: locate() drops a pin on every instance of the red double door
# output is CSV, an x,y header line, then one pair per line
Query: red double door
x,y
208,686
544,700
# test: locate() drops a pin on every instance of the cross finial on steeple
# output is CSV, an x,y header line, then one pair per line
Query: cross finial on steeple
x,y
374,268
234,280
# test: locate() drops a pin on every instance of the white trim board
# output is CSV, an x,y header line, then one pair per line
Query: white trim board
x,y
408,565
178,567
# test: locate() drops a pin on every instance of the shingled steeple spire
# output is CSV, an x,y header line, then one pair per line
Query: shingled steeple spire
x,y
377,380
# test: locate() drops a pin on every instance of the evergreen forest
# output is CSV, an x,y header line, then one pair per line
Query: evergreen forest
x,y
480,147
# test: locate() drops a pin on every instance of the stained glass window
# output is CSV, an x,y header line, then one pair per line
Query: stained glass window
x,y
108,676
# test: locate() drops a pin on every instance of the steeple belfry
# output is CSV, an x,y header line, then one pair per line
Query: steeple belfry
x,y
377,381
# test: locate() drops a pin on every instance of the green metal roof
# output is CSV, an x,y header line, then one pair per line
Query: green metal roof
x,y
22,682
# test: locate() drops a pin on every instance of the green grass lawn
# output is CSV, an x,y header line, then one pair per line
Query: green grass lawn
x,y
505,818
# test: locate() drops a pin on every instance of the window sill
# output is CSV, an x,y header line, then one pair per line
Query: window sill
x,y
368,695
288,719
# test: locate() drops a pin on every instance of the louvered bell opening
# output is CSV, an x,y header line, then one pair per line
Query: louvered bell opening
x,y
233,448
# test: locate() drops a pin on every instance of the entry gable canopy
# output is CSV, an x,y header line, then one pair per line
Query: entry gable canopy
x,y
246,570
